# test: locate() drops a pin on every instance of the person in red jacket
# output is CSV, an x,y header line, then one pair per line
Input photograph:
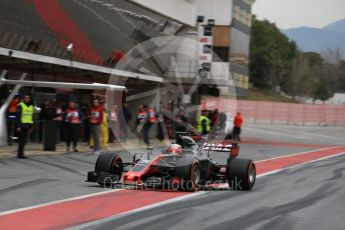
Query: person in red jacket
x,y
73,118
96,118
238,121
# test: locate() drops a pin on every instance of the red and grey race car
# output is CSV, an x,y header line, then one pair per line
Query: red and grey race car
x,y
186,166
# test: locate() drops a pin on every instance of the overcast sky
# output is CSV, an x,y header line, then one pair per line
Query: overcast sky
x,y
295,13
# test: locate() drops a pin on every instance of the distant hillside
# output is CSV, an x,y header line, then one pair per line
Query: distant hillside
x,y
338,26
318,40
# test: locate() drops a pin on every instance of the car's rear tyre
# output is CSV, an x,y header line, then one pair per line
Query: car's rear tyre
x,y
109,168
241,174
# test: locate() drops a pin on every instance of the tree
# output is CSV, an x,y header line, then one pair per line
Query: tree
x,y
314,58
276,61
300,81
310,77
271,55
322,90
341,77
332,56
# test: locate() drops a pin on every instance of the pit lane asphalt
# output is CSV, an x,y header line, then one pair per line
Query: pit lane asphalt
x,y
307,197
43,179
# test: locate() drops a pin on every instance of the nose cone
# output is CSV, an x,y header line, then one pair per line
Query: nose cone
x,y
131,178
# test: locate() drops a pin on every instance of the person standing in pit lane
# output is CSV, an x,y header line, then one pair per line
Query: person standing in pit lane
x,y
73,119
104,132
148,121
238,121
204,124
96,118
139,122
25,122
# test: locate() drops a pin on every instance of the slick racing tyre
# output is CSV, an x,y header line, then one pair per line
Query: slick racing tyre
x,y
109,168
194,178
189,173
241,174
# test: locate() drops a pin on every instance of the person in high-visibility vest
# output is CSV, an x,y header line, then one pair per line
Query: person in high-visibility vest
x,y
204,124
25,121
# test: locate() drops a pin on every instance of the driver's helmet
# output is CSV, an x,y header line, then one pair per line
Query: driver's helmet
x,y
175,149
185,141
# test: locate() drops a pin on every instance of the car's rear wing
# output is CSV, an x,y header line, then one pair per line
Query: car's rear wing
x,y
231,148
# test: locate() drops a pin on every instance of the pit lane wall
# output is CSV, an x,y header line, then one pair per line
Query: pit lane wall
x,y
278,112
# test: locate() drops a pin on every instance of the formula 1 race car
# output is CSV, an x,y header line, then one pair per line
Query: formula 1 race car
x,y
185,166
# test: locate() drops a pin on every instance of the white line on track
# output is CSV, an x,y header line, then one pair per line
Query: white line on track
x,y
297,165
308,133
277,134
296,154
104,220
58,202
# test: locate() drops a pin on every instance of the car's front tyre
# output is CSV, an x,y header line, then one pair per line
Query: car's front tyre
x,y
109,169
